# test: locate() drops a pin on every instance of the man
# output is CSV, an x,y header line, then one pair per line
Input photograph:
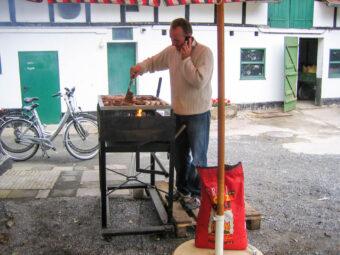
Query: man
x,y
191,66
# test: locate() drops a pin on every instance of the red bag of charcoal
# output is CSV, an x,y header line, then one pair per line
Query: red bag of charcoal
x,y
235,234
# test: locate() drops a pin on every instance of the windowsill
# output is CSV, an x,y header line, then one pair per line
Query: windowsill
x,y
252,78
334,76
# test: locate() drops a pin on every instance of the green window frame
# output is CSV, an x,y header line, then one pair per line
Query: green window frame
x,y
334,63
253,64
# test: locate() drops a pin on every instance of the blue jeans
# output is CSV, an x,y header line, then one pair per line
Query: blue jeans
x,y
191,149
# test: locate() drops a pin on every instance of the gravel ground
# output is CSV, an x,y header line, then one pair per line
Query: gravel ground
x,y
298,195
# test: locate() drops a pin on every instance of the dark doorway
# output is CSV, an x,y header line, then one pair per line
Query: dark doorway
x,y
308,49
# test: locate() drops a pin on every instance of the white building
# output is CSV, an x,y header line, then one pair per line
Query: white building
x,y
45,47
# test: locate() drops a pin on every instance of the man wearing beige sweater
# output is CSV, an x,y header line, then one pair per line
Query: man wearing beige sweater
x,y
191,66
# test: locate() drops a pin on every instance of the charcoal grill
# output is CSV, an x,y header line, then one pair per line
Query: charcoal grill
x,y
121,130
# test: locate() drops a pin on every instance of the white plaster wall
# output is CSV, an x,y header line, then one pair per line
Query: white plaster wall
x,y
150,42
249,91
257,13
320,61
167,14
330,86
105,13
233,13
31,12
202,13
145,14
82,56
4,11
82,61
323,15
80,18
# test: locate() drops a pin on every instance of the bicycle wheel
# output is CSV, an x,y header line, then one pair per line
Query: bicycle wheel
x,y
17,139
81,138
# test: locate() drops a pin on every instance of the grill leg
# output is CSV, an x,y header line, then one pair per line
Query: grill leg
x,y
171,181
152,175
103,188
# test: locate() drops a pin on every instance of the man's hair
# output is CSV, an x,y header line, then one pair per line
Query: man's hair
x,y
184,24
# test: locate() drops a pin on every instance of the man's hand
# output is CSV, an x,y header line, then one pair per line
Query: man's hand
x,y
186,49
135,71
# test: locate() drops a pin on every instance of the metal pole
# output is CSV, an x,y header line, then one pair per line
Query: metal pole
x,y
219,234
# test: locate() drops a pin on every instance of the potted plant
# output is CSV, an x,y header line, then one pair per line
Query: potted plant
x,y
230,109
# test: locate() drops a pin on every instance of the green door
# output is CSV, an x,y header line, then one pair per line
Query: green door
x,y
120,57
39,77
291,72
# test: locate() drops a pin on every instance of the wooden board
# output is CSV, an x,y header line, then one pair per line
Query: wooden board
x,y
188,248
181,219
184,219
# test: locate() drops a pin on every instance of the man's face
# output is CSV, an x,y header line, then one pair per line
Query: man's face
x,y
177,37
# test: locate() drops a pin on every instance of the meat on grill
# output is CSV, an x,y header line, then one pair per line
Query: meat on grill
x,y
136,100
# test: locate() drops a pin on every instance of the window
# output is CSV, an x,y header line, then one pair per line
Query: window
x,y
69,11
334,64
253,64
291,14
122,33
131,8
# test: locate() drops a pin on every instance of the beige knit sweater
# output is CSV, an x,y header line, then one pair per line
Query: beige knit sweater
x,y
190,78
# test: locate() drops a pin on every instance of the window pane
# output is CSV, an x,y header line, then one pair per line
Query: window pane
x,y
334,69
252,55
252,70
131,8
122,33
335,55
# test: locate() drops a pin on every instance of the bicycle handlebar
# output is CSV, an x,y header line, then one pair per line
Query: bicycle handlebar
x,y
69,92
57,94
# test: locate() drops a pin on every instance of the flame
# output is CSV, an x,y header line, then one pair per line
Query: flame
x,y
139,113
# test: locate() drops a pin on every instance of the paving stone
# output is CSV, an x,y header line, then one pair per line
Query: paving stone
x,y
121,192
94,184
114,167
88,192
82,168
63,193
4,193
20,167
43,193
22,193
43,167
63,168
68,178
71,173
28,179
90,176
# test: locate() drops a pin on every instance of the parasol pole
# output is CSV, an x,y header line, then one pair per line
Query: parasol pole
x,y
219,234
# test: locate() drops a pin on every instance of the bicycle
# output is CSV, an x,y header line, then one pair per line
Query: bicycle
x,y
21,137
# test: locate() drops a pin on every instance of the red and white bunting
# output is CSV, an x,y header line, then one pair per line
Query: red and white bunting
x,y
152,2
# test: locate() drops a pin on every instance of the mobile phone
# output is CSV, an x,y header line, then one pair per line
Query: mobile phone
x,y
187,38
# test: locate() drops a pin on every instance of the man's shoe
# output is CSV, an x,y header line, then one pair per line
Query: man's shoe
x,y
192,203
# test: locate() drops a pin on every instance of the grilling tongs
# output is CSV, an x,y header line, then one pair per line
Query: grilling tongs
x,y
129,93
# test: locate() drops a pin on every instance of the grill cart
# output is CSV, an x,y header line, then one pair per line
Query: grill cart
x,y
146,124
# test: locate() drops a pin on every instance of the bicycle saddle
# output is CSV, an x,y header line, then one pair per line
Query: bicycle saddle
x,y
30,107
30,99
